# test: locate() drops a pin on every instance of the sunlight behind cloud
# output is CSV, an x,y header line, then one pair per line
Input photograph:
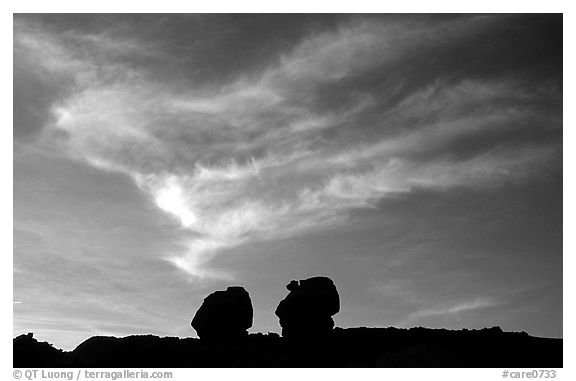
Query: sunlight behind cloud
x,y
172,200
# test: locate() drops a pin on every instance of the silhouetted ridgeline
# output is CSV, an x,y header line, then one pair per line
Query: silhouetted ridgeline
x,y
309,339
351,347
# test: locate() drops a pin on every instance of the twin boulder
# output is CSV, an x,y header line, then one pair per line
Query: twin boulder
x,y
306,312
224,315
308,309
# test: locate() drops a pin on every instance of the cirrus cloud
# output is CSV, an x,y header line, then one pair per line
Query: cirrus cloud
x,y
293,147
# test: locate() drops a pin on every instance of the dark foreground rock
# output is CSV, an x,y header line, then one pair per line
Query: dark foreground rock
x,y
224,315
29,352
306,312
351,347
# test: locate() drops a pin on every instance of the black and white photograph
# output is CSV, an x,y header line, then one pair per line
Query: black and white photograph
x,y
288,190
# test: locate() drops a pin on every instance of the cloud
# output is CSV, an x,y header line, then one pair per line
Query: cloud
x,y
453,308
290,148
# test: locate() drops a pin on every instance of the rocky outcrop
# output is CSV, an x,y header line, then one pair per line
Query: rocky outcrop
x,y
350,347
29,352
224,315
307,310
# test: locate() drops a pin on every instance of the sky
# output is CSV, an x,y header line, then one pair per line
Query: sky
x,y
414,159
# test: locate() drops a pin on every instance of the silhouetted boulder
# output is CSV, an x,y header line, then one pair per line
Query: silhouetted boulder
x,y
224,315
307,310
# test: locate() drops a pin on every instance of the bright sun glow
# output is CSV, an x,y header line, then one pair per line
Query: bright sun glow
x,y
171,199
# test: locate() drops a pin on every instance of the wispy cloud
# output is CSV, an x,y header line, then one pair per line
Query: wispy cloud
x,y
450,309
273,154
